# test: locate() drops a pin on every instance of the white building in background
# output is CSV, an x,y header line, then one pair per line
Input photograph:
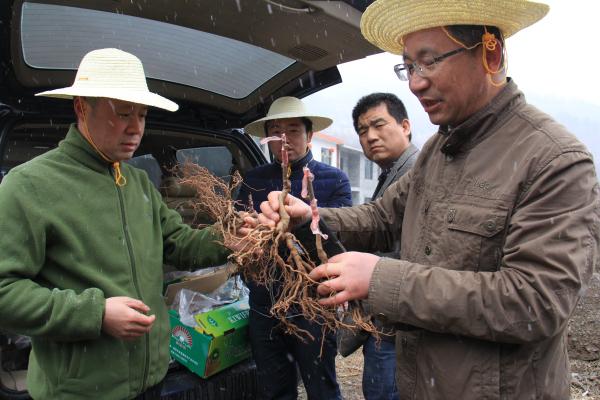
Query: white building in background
x,y
325,148
363,173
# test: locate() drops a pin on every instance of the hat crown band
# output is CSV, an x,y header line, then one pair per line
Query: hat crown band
x,y
287,105
111,73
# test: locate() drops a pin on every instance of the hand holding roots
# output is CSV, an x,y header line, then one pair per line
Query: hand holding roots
x,y
272,257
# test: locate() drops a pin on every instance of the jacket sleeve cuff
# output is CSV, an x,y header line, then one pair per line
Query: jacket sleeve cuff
x,y
99,307
84,320
214,251
384,288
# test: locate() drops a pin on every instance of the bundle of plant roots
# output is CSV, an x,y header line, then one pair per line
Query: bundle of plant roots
x,y
272,257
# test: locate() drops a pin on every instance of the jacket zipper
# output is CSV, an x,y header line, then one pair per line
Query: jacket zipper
x,y
135,281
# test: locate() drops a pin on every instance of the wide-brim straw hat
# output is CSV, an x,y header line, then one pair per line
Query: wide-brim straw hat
x,y
385,22
287,107
114,74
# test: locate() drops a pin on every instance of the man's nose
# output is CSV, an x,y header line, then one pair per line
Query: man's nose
x,y
136,125
417,83
372,134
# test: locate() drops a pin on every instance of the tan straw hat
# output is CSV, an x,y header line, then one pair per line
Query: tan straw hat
x,y
386,22
287,107
114,74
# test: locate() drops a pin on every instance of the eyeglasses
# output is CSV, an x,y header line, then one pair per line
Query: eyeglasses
x,y
423,68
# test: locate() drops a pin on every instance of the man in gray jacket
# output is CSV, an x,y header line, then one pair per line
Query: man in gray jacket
x,y
383,128
498,219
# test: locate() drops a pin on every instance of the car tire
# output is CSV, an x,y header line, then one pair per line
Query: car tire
x,y
8,394
13,359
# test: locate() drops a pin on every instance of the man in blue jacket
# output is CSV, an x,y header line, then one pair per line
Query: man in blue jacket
x,y
276,354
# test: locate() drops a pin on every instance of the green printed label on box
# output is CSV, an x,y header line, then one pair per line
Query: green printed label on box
x,y
221,320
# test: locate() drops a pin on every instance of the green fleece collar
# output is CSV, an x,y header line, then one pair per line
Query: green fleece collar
x,y
76,146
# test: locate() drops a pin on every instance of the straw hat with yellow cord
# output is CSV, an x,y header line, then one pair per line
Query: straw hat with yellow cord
x,y
386,22
113,74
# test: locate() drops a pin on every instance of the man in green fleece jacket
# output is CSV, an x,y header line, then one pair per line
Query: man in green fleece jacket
x,y
84,238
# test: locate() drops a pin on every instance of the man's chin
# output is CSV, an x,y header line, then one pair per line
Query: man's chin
x,y
123,157
378,157
292,157
438,119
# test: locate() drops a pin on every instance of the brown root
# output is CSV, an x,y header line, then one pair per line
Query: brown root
x,y
272,257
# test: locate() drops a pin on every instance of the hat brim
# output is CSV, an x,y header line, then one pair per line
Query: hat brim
x,y
385,22
257,128
133,96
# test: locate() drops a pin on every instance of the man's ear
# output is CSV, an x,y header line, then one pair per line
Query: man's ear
x,y
80,107
494,57
406,126
309,136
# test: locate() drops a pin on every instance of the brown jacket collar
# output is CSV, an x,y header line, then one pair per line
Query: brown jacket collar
x,y
479,125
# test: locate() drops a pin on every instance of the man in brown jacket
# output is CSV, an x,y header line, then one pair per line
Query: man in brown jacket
x,y
498,219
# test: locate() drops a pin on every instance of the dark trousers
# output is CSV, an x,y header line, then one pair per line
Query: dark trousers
x,y
379,372
276,355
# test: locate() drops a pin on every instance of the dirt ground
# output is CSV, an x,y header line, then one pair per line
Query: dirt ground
x,y
584,344
584,350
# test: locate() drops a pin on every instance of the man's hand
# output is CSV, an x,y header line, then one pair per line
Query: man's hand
x,y
241,240
250,222
124,318
298,210
348,276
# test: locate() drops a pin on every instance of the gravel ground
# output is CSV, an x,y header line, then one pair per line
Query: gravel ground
x,y
584,344
584,350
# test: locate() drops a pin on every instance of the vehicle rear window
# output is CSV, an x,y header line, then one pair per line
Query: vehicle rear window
x,y
57,37
148,163
217,159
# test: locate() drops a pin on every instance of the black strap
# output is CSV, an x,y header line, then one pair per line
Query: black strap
x,y
382,177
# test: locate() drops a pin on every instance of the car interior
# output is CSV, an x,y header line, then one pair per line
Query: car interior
x,y
159,154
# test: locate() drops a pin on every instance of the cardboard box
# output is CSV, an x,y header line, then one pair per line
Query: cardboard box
x,y
221,338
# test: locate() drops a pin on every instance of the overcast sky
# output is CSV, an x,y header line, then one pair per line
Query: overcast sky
x,y
556,62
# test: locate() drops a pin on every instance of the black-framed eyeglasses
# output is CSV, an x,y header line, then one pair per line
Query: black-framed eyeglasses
x,y
425,67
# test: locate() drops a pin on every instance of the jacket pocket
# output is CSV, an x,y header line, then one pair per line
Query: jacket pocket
x,y
457,367
475,236
69,356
